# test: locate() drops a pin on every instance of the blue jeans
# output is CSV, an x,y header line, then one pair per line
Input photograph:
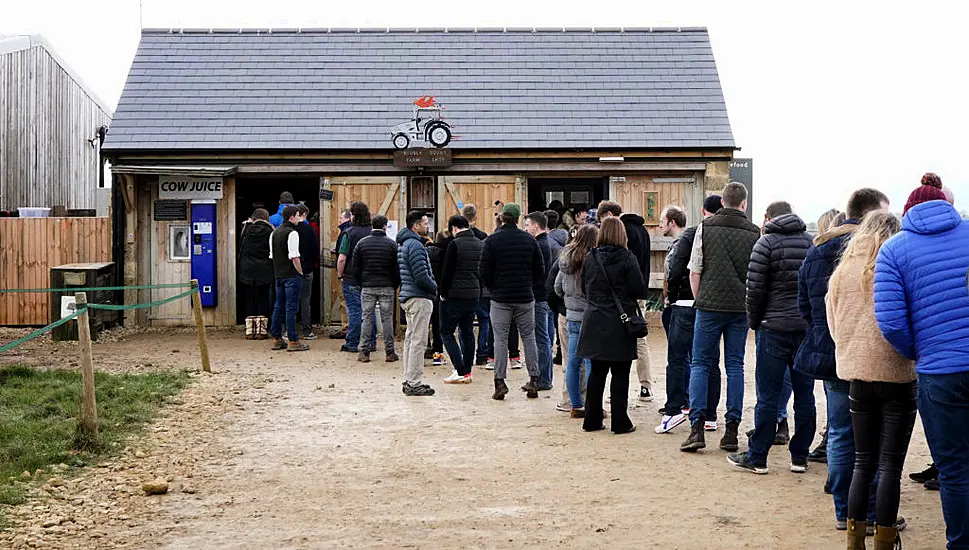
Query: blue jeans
x,y
351,295
944,406
573,370
786,392
459,315
841,449
287,303
710,326
544,342
483,313
775,362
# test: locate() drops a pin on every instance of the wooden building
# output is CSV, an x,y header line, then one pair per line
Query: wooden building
x,y
580,115
49,129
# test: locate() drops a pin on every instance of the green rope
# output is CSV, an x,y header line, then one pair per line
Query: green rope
x,y
114,307
90,289
40,332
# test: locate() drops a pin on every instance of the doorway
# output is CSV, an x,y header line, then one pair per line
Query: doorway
x,y
573,193
252,193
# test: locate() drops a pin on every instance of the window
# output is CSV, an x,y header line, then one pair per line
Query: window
x,y
179,242
421,192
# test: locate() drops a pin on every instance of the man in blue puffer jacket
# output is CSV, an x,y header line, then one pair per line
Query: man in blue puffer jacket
x,y
417,293
816,358
922,308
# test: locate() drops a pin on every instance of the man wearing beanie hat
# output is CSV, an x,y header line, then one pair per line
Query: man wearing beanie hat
x,y
511,267
712,205
922,309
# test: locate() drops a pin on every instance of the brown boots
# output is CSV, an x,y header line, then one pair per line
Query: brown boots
x,y
886,538
856,535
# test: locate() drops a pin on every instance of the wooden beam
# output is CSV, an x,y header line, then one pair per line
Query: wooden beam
x,y
453,192
559,168
388,199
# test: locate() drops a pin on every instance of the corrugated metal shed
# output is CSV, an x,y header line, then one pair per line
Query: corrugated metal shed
x,y
335,89
47,116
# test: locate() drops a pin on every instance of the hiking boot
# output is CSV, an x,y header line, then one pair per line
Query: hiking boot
x,y
742,461
364,356
392,357
855,536
531,387
887,538
929,473
696,440
783,434
729,440
421,390
501,390
296,345
278,344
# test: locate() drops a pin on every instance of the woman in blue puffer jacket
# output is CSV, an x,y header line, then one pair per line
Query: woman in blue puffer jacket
x,y
922,309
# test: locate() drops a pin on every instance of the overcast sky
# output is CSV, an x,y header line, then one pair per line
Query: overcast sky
x,y
825,96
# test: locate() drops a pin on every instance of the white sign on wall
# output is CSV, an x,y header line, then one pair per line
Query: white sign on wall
x,y
188,188
68,306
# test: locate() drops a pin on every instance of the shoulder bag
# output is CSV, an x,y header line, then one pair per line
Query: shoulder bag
x,y
634,324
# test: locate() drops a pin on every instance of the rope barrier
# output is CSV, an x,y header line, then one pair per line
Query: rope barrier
x,y
96,288
112,307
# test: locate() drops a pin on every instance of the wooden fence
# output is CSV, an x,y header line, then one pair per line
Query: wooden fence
x,y
29,247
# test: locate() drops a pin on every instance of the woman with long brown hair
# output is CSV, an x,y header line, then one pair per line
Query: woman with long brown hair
x,y
883,388
610,274
568,285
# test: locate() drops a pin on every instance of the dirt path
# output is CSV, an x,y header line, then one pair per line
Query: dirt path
x,y
314,450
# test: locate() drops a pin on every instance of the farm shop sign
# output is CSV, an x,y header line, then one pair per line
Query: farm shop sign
x,y
422,158
186,188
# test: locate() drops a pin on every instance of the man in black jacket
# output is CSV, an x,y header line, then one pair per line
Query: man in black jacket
x,y
460,290
511,265
772,312
483,313
718,277
638,244
309,257
536,225
375,266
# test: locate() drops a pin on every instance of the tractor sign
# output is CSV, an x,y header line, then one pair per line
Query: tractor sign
x,y
427,126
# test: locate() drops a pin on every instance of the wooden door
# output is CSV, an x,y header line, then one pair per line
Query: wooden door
x,y
481,191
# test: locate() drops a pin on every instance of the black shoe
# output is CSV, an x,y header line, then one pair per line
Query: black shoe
x,y
931,484
481,361
729,440
783,434
421,390
742,461
501,390
644,394
819,454
925,475
827,487
429,353
557,360
348,349
531,387
696,441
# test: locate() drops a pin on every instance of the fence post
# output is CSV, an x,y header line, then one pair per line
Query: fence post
x,y
199,327
89,408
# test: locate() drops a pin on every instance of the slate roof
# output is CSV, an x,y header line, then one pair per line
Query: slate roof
x,y
332,89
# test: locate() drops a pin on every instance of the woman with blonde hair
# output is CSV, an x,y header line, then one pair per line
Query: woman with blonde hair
x,y
612,283
568,285
883,388
830,219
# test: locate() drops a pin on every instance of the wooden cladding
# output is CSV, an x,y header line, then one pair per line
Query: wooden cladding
x,y
29,247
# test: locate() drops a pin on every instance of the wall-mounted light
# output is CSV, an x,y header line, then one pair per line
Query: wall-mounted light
x,y
611,159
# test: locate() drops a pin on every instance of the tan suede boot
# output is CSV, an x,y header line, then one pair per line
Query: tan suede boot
x,y
886,538
856,535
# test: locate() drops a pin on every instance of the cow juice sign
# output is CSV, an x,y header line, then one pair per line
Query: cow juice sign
x,y
189,188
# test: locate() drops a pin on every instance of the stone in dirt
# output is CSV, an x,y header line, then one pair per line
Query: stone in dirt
x,y
25,475
55,482
157,487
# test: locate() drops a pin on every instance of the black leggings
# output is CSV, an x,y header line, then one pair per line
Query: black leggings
x,y
882,416
258,301
618,390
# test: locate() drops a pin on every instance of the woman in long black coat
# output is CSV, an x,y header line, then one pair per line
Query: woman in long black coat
x,y
603,338
255,266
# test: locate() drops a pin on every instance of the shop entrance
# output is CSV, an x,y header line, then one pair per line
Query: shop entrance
x,y
573,193
252,193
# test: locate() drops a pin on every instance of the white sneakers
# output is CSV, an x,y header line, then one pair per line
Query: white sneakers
x,y
670,422
456,378
710,425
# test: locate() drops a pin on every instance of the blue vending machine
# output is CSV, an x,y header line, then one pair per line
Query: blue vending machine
x,y
203,250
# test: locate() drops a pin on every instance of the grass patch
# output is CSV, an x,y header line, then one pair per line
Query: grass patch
x,y
40,409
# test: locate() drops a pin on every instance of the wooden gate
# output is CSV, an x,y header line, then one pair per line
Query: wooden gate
x,y
383,195
29,247
481,191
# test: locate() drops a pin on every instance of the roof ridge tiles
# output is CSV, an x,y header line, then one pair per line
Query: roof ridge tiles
x,y
412,30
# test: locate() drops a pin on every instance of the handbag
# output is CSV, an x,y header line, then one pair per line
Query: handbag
x,y
634,324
